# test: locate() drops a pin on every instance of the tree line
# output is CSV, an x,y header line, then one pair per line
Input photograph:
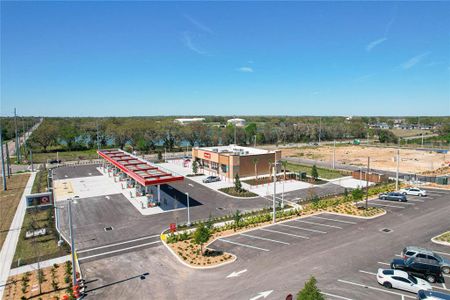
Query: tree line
x,y
148,134
9,128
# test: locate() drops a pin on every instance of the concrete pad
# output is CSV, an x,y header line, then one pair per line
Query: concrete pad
x,y
350,182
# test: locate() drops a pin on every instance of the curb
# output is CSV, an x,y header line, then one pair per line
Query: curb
x,y
436,241
198,267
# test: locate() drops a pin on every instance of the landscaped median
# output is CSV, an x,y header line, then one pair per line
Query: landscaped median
x,y
443,239
190,245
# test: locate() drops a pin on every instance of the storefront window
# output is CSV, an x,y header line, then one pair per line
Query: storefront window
x,y
224,168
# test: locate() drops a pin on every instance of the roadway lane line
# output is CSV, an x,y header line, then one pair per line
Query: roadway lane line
x,y
116,244
306,229
264,239
335,296
118,250
385,205
399,202
329,219
376,289
320,224
367,272
244,245
285,233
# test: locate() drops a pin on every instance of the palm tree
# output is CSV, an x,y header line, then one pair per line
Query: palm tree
x,y
255,162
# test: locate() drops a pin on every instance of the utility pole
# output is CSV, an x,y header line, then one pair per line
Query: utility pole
x,y
8,161
320,128
398,165
367,182
17,137
24,138
334,154
72,245
31,160
98,141
274,191
3,160
422,139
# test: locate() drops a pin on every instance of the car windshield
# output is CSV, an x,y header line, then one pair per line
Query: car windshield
x,y
409,261
440,259
412,279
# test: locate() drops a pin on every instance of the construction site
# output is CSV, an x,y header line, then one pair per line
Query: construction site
x,y
420,161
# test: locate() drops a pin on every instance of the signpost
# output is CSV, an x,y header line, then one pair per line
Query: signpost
x,y
42,199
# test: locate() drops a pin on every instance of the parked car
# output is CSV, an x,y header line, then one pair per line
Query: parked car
x,y
432,295
419,267
401,280
393,196
413,191
413,251
211,179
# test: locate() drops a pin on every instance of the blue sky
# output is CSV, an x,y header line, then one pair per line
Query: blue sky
x,y
225,58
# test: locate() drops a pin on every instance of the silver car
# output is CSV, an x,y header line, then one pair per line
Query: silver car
x,y
413,251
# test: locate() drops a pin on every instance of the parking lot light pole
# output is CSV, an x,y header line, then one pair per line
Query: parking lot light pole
x,y
367,182
398,165
189,214
72,244
274,192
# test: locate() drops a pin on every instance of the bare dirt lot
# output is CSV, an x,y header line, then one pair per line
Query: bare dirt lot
x,y
411,161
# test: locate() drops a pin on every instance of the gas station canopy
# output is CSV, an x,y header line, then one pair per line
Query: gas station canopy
x,y
141,171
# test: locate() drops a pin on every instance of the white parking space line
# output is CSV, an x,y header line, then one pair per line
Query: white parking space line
x,y
448,276
281,232
244,245
190,184
383,263
416,200
334,220
440,288
384,201
386,205
264,239
119,250
335,296
301,228
367,272
116,244
376,289
319,224
398,255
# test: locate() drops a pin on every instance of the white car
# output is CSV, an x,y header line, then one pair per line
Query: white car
x,y
413,191
401,280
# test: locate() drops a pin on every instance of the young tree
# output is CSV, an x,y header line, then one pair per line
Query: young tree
x,y
160,158
194,167
237,218
310,291
357,194
201,235
314,173
237,184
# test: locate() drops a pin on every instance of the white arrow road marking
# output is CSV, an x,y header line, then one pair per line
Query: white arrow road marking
x,y
236,274
262,295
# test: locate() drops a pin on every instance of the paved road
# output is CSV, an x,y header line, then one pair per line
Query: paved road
x,y
12,144
342,253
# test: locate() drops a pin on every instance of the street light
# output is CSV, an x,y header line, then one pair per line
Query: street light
x,y
72,244
189,214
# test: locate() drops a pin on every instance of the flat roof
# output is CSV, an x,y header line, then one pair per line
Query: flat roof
x,y
235,150
140,170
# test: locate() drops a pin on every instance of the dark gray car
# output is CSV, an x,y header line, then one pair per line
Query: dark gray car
x,y
393,196
211,179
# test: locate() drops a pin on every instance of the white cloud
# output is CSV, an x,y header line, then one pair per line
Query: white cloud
x,y
375,43
414,60
245,69
197,24
188,42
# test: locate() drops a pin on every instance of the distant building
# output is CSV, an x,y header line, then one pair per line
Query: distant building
x,y
230,160
185,121
379,126
237,122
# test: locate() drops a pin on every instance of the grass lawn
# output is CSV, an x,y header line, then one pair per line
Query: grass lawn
x,y
40,182
445,237
323,173
9,200
65,155
232,191
43,247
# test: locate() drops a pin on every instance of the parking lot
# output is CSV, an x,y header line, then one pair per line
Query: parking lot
x,y
343,253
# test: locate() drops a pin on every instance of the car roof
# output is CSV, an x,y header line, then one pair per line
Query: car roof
x,y
435,295
396,273
419,249
426,261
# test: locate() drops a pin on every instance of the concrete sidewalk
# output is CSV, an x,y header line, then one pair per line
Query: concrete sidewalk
x,y
43,264
9,247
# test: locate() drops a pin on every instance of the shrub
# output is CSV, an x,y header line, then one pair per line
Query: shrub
x,y
310,291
